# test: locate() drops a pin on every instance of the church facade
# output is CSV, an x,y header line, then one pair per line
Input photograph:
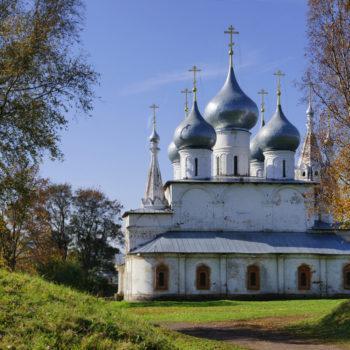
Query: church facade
x,y
238,217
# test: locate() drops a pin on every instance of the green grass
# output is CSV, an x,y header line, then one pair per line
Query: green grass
x,y
335,326
226,310
35,314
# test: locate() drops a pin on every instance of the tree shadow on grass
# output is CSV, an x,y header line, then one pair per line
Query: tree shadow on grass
x,y
333,327
183,303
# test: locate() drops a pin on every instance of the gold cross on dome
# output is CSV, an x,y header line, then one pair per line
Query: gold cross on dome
x,y
186,92
262,92
310,91
279,74
154,107
231,30
195,70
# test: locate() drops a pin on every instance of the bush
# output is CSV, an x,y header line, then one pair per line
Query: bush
x,y
70,273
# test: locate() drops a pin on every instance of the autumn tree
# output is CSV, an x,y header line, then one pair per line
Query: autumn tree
x,y
329,74
43,75
95,226
19,193
58,206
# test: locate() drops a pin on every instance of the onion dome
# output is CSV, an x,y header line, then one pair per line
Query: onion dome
x,y
173,153
231,108
279,134
256,153
194,131
154,136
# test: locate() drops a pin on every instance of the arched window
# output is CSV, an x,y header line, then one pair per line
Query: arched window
x,y
284,168
161,277
316,173
195,166
304,277
217,166
304,173
346,276
235,165
203,277
253,277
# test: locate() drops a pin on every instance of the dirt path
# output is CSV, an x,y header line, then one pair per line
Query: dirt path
x,y
261,334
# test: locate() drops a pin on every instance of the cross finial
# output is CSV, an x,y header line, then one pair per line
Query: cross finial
x,y
279,74
154,107
186,92
262,92
310,92
231,31
195,70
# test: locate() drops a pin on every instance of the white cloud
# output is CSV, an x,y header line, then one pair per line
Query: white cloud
x,y
163,79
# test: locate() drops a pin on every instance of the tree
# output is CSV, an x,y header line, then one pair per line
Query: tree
x,y
95,225
19,192
329,75
43,74
59,207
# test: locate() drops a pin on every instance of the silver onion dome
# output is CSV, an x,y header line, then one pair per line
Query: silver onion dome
x,y
256,153
154,136
194,131
231,108
279,134
173,153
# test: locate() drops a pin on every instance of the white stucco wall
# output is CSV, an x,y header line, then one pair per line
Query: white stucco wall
x,y
215,206
257,169
241,207
228,145
274,164
176,170
228,275
188,157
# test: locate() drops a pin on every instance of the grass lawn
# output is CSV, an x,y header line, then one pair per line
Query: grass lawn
x,y
35,314
226,310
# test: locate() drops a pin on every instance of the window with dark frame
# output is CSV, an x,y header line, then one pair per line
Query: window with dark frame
x,y
217,166
304,277
203,277
253,277
235,165
346,274
284,168
161,277
195,166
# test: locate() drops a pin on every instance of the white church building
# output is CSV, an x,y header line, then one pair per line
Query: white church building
x,y
239,216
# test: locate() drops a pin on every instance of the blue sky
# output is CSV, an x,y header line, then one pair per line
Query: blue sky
x,y
143,50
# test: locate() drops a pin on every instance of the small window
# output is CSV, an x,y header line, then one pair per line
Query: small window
x,y
346,274
304,277
304,173
284,168
235,166
316,173
162,277
195,166
253,277
217,166
203,277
